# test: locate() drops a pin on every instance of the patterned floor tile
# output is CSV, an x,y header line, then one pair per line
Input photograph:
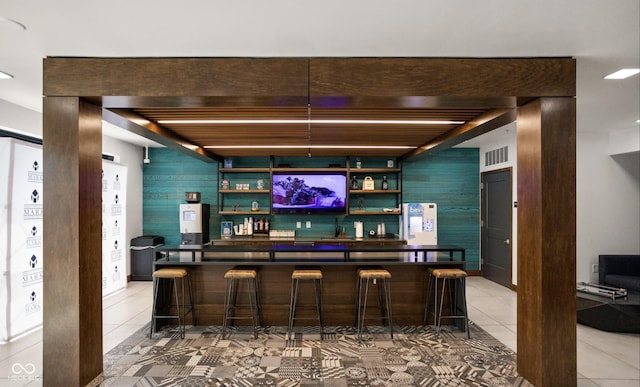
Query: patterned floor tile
x,y
222,372
414,357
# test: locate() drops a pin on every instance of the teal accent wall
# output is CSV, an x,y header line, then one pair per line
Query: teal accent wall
x,y
450,178
169,175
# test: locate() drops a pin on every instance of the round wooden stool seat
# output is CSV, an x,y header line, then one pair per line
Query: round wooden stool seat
x,y
306,274
240,274
374,273
448,273
170,273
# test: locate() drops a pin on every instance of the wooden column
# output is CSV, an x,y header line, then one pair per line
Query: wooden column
x,y
72,156
546,143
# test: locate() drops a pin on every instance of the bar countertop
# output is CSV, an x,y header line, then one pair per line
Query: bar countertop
x,y
304,252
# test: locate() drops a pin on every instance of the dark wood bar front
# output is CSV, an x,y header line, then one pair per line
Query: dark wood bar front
x,y
408,265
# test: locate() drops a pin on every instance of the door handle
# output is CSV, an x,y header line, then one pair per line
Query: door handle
x,y
507,242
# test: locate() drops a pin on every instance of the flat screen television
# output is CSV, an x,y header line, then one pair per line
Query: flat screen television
x,y
309,193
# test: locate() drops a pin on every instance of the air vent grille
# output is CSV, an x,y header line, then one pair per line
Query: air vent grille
x,y
496,156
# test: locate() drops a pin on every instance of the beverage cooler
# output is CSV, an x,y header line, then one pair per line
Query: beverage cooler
x,y
419,224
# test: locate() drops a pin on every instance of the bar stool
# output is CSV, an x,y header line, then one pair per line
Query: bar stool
x,y
366,277
233,279
173,274
314,275
447,275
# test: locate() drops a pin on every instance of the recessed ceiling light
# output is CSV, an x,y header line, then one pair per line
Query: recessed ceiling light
x,y
4,75
622,74
12,23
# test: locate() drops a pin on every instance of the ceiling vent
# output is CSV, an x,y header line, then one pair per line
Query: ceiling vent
x,y
496,156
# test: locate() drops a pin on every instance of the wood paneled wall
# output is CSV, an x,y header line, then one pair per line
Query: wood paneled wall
x,y
165,180
449,178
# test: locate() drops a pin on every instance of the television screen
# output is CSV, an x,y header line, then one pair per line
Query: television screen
x,y
309,193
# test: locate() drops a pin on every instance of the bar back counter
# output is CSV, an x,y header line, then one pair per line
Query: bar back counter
x,y
339,261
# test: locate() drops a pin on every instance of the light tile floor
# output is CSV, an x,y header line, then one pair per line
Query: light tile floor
x,y
124,313
604,359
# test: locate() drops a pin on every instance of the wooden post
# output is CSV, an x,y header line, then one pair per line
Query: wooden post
x,y
72,157
546,141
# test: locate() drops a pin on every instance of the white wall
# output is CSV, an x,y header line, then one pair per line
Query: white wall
x,y
607,197
21,120
505,136
624,141
25,121
608,202
131,156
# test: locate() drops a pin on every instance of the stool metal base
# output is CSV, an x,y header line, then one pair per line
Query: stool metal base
x,y
233,279
447,275
367,277
296,277
182,309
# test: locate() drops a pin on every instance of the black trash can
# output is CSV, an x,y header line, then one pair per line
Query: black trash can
x,y
143,253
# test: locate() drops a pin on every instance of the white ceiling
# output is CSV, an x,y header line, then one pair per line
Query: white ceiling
x,y
603,36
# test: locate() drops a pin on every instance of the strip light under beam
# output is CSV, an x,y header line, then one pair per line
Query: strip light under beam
x,y
374,122
308,146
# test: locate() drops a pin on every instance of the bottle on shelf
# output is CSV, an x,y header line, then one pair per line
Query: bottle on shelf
x,y
385,183
354,182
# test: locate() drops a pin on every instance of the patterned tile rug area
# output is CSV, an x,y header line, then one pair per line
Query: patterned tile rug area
x,y
413,358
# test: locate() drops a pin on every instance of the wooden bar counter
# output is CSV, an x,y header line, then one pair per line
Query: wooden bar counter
x,y
338,261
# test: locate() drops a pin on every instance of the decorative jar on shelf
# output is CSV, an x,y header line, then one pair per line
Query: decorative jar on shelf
x,y
368,184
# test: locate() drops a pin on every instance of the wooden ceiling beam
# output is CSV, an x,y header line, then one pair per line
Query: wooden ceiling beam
x,y
194,79
469,78
139,125
482,124
460,89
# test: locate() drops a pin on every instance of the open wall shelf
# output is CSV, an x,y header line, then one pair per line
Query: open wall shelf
x,y
239,184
